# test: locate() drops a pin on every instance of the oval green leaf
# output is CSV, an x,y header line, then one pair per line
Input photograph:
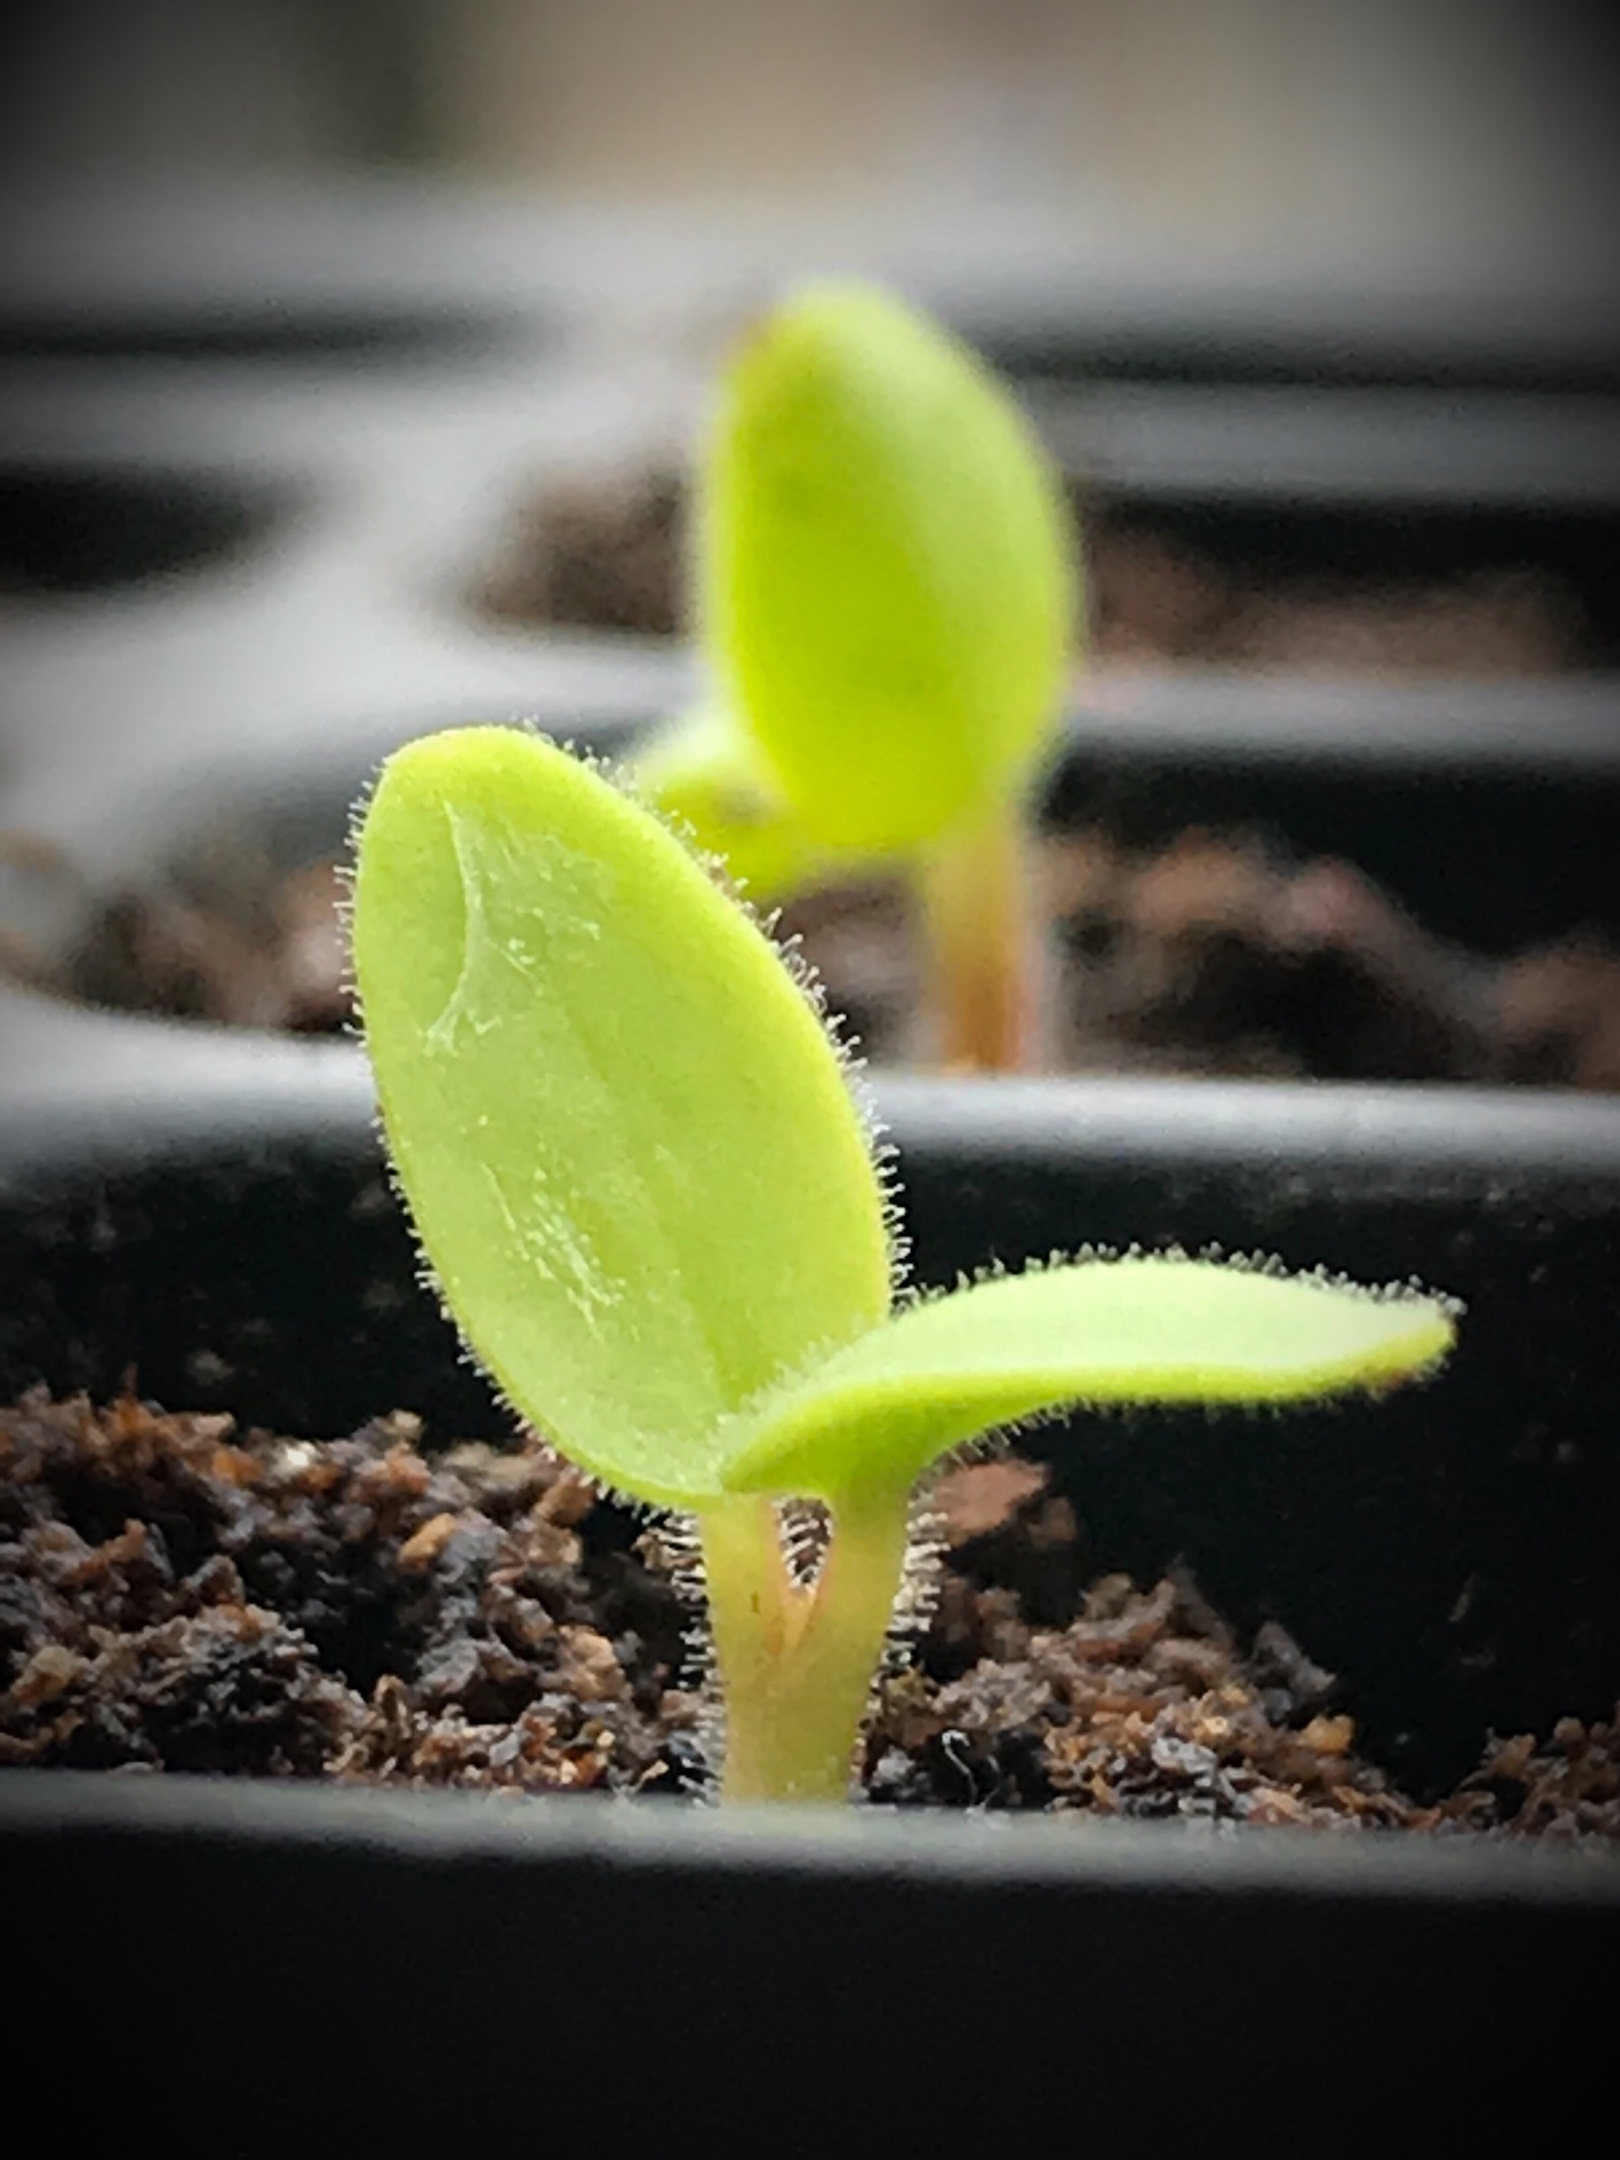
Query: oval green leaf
x,y
885,572
626,1141
1139,1330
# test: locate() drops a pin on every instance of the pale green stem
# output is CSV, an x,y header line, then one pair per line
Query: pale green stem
x,y
974,885
797,1665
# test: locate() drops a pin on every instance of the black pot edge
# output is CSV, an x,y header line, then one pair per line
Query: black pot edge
x,y
988,1851
88,1086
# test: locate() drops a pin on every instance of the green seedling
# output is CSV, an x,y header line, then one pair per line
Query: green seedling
x,y
885,587
650,1198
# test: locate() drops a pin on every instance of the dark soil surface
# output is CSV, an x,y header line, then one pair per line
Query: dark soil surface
x,y
605,554
175,1596
1215,954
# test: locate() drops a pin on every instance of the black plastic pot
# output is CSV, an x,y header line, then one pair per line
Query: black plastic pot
x,y
398,1972
425,1974
1487,812
214,1216
1293,483
1484,808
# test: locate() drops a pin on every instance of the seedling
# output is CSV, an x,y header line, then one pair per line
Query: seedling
x,y
652,1204
885,587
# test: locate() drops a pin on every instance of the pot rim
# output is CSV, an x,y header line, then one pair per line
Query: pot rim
x,y
82,1082
987,1850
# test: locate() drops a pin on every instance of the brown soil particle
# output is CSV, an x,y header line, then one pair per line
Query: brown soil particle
x,y
1141,1706
1037,1688
175,1596
1218,953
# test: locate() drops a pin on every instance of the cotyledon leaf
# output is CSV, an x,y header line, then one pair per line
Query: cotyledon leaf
x,y
703,769
885,572
1133,1330
625,1139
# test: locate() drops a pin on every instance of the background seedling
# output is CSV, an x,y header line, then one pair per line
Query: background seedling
x,y
885,591
650,1200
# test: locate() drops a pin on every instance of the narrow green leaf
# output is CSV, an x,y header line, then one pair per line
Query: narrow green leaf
x,y
1139,1330
886,578
626,1141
